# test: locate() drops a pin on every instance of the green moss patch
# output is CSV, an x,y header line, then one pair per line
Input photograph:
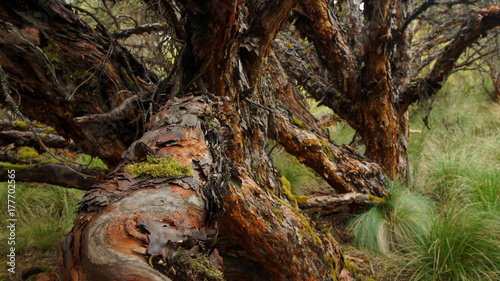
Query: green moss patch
x,y
165,167
298,123
287,191
27,153
18,167
20,125
305,223
327,150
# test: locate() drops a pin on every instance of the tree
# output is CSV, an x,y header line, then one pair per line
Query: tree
x,y
187,139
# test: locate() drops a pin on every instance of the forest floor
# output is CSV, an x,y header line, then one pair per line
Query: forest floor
x,y
29,265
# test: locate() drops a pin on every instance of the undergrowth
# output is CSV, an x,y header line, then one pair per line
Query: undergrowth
x,y
44,215
456,171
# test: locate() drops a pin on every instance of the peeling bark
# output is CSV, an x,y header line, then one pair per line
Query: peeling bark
x,y
224,102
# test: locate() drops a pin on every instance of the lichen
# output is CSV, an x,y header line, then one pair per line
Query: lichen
x,y
20,125
327,150
287,191
165,167
298,123
27,153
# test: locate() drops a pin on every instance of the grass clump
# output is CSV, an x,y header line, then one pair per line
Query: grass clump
x,y
403,216
463,244
165,167
44,215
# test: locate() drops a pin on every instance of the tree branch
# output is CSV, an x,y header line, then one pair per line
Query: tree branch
x,y
145,28
473,29
30,139
77,177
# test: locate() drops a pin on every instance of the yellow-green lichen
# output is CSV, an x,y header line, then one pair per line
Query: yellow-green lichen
x,y
298,123
165,167
20,125
376,199
287,191
326,149
27,153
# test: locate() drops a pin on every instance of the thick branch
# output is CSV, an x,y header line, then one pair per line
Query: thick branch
x,y
344,171
77,177
30,139
59,69
266,21
332,47
145,28
335,203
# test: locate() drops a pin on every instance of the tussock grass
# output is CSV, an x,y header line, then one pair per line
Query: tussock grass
x,y
404,216
456,165
463,244
44,215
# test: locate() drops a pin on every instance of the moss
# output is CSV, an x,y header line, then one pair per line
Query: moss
x,y
184,267
279,213
351,267
53,53
50,131
200,266
307,226
298,123
20,125
327,150
18,167
159,168
287,191
27,153
331,264
130,80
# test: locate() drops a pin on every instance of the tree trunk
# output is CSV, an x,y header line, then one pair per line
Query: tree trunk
x,y
205,153
200,166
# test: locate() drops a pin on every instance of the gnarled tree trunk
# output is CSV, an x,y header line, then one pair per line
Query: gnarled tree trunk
x,y
205,150
144,225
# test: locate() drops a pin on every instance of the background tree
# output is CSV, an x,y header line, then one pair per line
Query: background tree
x,y
216,84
